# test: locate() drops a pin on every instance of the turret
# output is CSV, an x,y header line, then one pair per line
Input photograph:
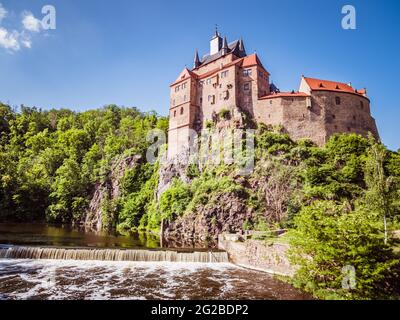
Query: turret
x,y
224,49
241,46
196,60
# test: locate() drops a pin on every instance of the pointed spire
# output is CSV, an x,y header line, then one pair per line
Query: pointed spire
x,y
241,46
216,30
196,60
225,46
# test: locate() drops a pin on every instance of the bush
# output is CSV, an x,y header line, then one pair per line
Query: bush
x,y
224,114
327,237
175,200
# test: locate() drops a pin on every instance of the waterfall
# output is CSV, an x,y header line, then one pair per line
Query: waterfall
x,y
19,252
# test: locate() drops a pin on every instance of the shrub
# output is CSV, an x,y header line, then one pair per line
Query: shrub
x,y
327,237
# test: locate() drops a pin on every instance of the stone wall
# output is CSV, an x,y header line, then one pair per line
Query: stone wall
x,y
256,254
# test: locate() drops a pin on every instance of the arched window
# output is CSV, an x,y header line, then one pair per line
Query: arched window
x,y
182,110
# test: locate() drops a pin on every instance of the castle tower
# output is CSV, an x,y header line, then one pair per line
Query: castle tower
x,y
215,43
182,111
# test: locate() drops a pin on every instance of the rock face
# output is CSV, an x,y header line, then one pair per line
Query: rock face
x,y
170,169
109,189
200,228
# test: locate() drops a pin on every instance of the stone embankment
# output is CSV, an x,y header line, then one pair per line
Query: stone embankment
x,y
257,254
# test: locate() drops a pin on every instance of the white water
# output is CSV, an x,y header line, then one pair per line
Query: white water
x,y
68,279
19,252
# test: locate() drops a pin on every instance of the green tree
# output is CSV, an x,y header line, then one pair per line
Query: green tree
x,y
329,236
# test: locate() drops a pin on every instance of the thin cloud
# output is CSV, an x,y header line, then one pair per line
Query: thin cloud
x,y
30,23
9,40
14,40
3,12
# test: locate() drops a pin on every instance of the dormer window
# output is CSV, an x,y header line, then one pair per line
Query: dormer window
x,y
321,85
337,87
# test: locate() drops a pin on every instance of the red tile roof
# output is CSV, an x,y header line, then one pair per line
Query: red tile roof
x,y
326,85
184,75
245,62
211,72
285,95
252,60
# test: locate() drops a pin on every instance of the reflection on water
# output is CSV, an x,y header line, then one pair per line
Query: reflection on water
x,y
66,236
57,279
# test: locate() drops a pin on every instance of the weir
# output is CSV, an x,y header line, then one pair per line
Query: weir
x,y
24,252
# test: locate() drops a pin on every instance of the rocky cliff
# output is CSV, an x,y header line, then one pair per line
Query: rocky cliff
x,y
109,189
227,213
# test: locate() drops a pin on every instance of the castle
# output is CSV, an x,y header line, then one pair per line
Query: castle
x,y
227,83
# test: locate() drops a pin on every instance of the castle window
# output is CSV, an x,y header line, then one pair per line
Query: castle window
x,y
270,101
176,88
182,110
184,85
201,100
337,99
211,99
247,72
246,86
174,113
362,104
333,116
208,81
226,95
354,117
224,74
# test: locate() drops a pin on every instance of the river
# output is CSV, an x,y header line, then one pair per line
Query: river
x,y
160,274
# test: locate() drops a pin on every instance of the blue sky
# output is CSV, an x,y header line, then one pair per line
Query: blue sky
x,y
128,52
